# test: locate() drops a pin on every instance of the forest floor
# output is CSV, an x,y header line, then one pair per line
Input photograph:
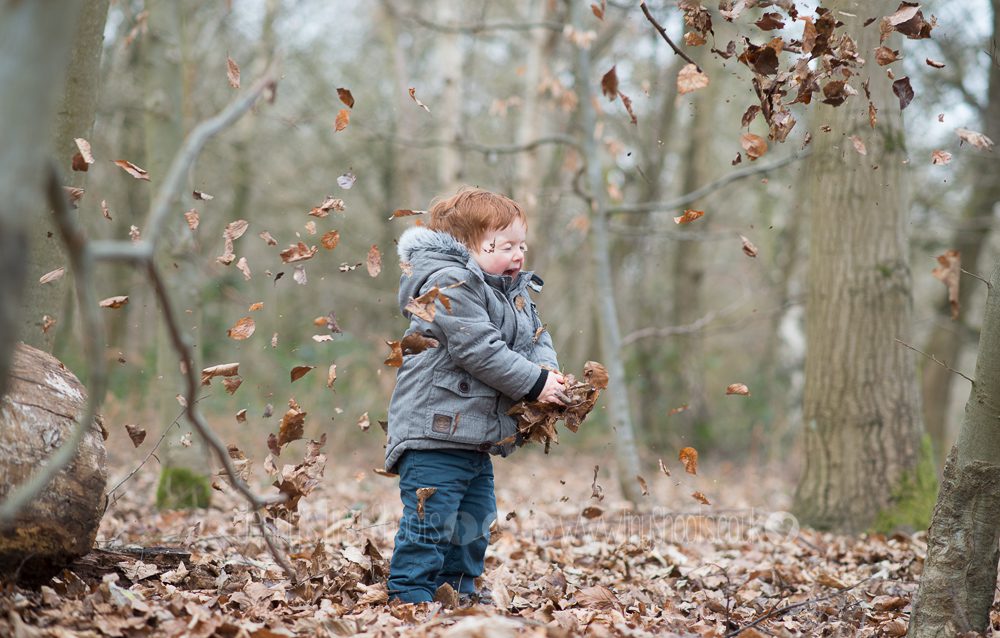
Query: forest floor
x,y
569,558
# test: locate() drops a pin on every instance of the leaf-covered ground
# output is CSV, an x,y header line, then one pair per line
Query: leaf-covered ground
x,y
675,567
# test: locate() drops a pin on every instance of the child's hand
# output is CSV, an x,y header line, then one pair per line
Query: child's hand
x,y
554,390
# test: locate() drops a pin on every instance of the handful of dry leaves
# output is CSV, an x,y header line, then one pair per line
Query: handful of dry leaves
x,y
536,421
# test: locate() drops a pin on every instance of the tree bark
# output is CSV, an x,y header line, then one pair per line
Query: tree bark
x,y
35,42
960,572
618,407
450,63
948,337
526,176
44,404
861,406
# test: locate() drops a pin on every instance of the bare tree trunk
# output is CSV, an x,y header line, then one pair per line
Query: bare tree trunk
x,y
450,64
618,407
526,177
861,406
35,40
960,572
948,337
402,173
74,118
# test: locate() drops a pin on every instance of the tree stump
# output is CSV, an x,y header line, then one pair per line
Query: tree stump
x,y
43,402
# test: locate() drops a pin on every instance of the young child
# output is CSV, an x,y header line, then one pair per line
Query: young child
x,y
449,409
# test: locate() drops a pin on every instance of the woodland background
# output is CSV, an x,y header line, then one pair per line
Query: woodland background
x,y
489,94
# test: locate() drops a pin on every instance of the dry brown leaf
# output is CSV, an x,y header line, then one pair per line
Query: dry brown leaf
x,y
374,261
292,424
413,95
331,375
642,485
132,169
754,145
220,370
343,119
689,457
47,324
738,388
689,216
300,276
940,157
199,195
232,72
298,252
344,95
609,84
53,275
663,468
192,219
423,493
243,329
395,358
678,409
311,227
597,597
329,204
105,211
859,145
86,154
114,302
885,55
364,422
300,371
934,63
701,498
241,416
268,239
330,239
949,272
133,233
592,511
748,247
136,433
232,384
406,212
978,140
255,306
244,268
74,195
689,79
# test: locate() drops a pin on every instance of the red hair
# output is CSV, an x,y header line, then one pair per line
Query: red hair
x,y
471,213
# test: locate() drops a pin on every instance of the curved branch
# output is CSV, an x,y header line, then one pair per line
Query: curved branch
x,y
683,200
663,34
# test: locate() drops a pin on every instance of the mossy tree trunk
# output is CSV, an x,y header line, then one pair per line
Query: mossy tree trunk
x,y
861,405
959,579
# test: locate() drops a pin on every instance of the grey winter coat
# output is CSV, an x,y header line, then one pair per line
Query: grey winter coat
x,y
457,395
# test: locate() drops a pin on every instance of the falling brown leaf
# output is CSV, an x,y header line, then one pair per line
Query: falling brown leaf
x,y
136,433
413,96
299,276
934,63
343,119
627,103
364,423
859,145
345,96
232,72
331,375
104,209
132,169
940,157
241,416
395,358
232,384
748,247
243,329
689,216
693,39
754,145
73,194
423,493
298,252
47,323
885,55
690,79
292,424
330,203
86,155
322,338
701,498
406,212
872,113
949,272
192,219
598,11
300,371
114,302
53,275
592,511
902,89
609,84
978,140
268,239
311,227
663,468
738,388
221,370
689,457
330,239
681,408
244,268
374,261
255,306
642,485
133,233
346,267
79,164
201,196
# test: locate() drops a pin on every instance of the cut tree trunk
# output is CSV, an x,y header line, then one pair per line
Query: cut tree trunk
x,y
42,407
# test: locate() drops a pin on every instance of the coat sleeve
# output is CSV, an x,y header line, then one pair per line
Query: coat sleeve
x,y
471,339
545,351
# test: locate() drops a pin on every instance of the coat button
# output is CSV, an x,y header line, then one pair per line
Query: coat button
x,y
464,386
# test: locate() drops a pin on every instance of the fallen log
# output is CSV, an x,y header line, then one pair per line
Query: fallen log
x,y
39,411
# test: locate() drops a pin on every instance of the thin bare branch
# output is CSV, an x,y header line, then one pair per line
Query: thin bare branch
x,y
472,27
663,34
774,613
972,274
486,149
695,326
81,265
670,205
937,361
278,555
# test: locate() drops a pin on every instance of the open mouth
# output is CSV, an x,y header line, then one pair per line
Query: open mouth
x,y
511,272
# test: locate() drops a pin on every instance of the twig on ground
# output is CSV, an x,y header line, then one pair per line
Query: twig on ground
x,y
937,361
787,608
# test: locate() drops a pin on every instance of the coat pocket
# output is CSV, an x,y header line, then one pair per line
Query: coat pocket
x,y
462,408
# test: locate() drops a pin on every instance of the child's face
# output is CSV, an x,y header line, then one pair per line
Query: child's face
x,y
502,251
